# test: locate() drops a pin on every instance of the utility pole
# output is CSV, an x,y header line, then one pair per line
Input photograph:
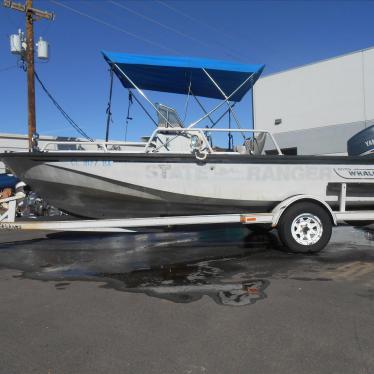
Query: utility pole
x,y
32,15
30,73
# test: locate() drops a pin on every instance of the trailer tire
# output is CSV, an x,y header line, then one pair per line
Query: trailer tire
x,y
305,227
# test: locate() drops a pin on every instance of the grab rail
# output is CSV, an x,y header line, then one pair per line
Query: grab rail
x,y
100,146
202,131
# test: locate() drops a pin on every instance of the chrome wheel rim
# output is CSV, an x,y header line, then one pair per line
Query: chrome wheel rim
x,y
306,229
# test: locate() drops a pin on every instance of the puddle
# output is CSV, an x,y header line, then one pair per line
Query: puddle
x,y
187,283
239,294
232,266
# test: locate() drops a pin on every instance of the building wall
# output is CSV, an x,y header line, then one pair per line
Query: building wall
x,y
368,66
326,140
320,105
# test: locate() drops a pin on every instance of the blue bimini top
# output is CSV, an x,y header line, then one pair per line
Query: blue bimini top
x,y
178,74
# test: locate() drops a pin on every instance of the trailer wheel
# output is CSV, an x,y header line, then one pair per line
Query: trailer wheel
x,y
305,227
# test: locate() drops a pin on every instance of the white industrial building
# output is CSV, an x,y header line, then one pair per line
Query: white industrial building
x,y
316,108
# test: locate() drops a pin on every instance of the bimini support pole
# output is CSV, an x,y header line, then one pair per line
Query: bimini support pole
x,y
202,108
144,109
221,104
231,110
221,116
109,107
141,93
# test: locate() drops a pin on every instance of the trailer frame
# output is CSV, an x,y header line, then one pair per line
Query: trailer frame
x,y
8,219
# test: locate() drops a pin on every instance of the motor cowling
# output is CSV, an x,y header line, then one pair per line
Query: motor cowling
x,y
362,143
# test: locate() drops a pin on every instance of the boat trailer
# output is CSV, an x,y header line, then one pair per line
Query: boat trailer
x,y
274,219
8,221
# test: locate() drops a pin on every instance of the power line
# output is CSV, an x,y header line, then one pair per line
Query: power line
x,y
62,111
8,68
10,20
204,24
176,10
113,27
166,27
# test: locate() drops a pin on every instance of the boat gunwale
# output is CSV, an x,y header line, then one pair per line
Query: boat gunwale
x,y
187,157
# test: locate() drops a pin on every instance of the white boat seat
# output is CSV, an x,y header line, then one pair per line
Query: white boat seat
x,y
255,145
167,117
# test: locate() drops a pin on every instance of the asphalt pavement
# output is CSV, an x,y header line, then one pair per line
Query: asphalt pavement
x,y
213,300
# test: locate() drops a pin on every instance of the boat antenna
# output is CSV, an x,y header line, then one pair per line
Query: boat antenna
x,y
109,107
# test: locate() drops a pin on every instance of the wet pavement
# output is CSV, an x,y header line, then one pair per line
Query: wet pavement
x,y
217,271
233,266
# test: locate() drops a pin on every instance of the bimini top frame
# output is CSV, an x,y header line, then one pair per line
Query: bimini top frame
x,y
176,74
230,81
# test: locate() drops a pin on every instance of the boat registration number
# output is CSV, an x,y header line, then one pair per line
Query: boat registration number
x,y
90,163
9,226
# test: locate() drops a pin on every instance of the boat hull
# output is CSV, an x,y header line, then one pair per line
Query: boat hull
x,y
147,185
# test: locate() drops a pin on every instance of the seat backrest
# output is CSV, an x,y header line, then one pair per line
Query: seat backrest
x,y
256,144
165,113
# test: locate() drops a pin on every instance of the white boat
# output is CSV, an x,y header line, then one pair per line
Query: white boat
x,y
178,170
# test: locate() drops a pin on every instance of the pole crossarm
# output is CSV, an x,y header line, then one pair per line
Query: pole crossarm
x,y
23,8
15,6
42,14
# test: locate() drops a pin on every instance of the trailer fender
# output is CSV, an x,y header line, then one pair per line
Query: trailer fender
x,y
282,206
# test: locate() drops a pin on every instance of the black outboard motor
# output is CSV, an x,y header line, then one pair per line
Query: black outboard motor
x,y
362,144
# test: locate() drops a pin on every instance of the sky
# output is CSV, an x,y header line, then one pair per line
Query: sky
x,y
279,34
